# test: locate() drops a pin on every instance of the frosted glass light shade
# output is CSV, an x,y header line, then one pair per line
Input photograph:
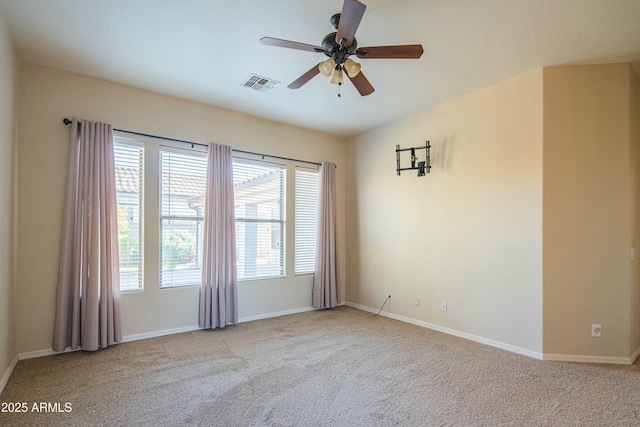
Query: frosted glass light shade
x,y
326,67
352,67
337,78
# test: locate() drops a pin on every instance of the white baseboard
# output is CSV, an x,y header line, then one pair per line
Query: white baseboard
x,y
471,337
5,377
634,356
126,338
155,334
41,353
278,314
588,359
508,347
191,328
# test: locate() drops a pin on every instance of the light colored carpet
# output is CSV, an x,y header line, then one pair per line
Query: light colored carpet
x,y
340,367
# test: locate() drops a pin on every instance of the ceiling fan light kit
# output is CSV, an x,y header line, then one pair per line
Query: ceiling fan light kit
x,y
337,78
351,67
327,67
342,44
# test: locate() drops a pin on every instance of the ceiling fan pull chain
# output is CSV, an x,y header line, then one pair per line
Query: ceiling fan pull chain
x,y
339,85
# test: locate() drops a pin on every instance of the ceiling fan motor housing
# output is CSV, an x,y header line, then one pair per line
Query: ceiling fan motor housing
x,y
335,20
333,50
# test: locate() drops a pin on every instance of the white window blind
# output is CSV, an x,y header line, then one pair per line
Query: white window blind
x,y
182,191
307,204
129,161
260,222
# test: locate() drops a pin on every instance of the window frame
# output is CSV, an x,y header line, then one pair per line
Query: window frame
x,y
151,220
198,220
282,222
122,141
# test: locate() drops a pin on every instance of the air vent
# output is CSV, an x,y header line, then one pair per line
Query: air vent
x,y
259,83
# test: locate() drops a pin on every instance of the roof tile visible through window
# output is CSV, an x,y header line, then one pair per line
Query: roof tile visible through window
x,y
127,180
181,184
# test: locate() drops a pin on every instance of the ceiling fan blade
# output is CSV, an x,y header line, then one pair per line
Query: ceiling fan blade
x,y
407,51
362,84
352,11
296,84
270,41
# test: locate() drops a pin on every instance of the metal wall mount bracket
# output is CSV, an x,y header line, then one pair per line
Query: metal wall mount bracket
x,y
420,166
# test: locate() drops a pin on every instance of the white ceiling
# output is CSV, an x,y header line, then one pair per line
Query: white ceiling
x,y
204,49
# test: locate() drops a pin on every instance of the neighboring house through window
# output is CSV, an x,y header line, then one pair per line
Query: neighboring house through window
x,y
179,178
182,190
260,221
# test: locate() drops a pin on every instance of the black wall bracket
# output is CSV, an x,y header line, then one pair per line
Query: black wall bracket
x,y
420,166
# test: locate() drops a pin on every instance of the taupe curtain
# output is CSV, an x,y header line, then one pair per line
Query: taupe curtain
x,y
88,294
326,287
219,290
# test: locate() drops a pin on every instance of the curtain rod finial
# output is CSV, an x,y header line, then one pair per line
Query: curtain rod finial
x,y
66,121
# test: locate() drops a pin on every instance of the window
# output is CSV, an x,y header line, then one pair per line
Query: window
x,y
182,188
259,212
307,207
129,161
175,198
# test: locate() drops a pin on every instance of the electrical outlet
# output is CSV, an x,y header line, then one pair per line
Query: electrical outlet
x,y
417,302
596,330
443,306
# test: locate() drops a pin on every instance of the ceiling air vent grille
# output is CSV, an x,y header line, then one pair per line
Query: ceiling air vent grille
x,y
259,83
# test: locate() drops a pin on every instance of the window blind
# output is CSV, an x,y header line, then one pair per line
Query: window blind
x,y
260,220
307,204
129,165
182,190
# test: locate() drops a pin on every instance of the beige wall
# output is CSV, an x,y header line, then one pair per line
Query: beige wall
x,y
470,233
558,147
47,96
588,223
525,226
8,78
634,108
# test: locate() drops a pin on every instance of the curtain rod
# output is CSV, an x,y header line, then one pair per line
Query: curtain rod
x,y
66,121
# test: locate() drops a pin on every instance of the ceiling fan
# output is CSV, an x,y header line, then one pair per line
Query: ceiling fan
x,y
342,44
